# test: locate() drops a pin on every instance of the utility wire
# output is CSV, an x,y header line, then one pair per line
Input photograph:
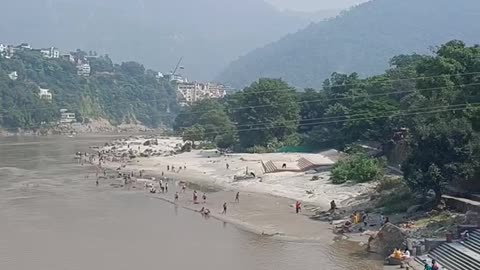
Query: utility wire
x,y
447,108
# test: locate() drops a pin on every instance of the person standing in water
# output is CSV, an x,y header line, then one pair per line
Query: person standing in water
x,y
195,196
224,208
184,188
237,197
204,197
298,207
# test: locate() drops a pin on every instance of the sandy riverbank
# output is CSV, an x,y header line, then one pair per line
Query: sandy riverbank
x,y
266,202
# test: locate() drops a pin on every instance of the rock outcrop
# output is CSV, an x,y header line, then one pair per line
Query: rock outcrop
x,y
386,240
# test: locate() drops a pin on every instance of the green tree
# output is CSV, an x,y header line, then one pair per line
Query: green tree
x,y
359,168
210,115
442,153
269,113
194,133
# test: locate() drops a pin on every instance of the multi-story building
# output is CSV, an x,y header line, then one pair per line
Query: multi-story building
x,y
24,46
45,94
84,69
68,57
189,93
51,52
67,117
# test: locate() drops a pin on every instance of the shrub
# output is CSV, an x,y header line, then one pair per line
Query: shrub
x,y
397,200
358,168
388,183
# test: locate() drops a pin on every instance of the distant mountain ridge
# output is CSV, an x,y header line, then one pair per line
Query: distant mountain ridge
x,y
208,33
361,40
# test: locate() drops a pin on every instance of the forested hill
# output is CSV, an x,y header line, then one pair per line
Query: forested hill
x,y
361,40
123,93
208,33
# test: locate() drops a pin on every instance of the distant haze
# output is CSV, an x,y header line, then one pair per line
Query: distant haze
x,y
209,34
313,5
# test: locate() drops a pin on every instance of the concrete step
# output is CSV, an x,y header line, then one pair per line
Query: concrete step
x,y
452,258
471,246
270,167
462,255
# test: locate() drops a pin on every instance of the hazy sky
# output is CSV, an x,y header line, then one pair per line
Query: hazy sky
x,y
313,5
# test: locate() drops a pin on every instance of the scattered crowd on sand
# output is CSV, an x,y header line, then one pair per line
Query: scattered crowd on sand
x,y
160,166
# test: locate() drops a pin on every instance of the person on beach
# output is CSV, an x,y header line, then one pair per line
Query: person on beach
x,y
184,188
228,166
162,188
364,219
224,208
204,197
96,182
195,196
237,197
298,207
168,167
166,187
333,206
176,196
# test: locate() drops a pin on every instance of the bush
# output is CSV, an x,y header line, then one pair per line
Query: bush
x,y
397,200
386,184
206,146
358,168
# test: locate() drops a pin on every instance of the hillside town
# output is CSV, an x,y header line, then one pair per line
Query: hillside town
x,y
80,61
187,92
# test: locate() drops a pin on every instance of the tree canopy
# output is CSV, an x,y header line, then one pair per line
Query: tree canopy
x,y
120,93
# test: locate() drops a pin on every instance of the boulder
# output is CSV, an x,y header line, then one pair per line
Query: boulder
x,y
386,240
472,218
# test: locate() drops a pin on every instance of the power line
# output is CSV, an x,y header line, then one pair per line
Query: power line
x,y
399,113
354,115
312,101
362,83
343,98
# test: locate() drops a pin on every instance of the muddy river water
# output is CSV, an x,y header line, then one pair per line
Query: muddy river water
x,y
52,217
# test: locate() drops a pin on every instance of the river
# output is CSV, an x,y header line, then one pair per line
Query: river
x,y
52,217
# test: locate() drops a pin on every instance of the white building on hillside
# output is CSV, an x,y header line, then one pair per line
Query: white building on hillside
x,y
45,94
84,69
68,57
67,117
51,53
13,76
189,93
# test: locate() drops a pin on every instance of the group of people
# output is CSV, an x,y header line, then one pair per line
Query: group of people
x,y
163,187
172,168
434,266
400,255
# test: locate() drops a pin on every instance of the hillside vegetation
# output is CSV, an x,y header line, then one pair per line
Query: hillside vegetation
x,y
124,93
427,106
360,40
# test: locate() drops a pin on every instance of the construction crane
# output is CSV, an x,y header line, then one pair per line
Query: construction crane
x,y
174,72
